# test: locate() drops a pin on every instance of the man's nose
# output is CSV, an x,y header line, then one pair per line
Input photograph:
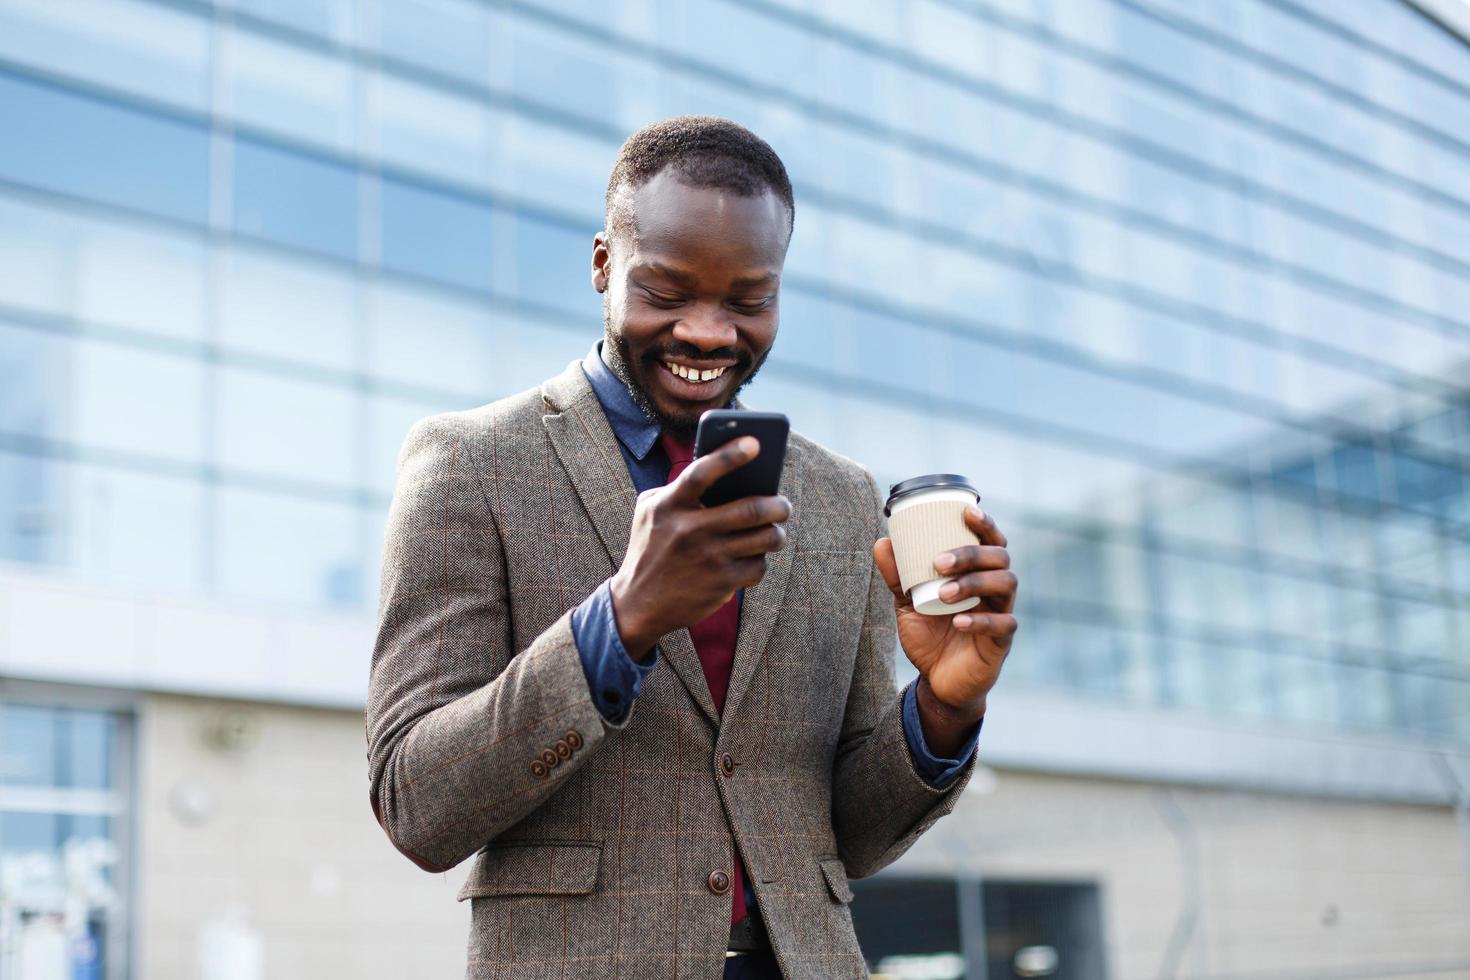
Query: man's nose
x,y
706,327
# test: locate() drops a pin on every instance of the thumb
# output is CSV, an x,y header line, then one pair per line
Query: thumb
x,y
888,568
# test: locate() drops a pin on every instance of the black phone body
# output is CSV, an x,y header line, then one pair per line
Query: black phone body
x,y
759,477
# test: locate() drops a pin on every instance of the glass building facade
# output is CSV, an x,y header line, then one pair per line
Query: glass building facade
x,y
1185,286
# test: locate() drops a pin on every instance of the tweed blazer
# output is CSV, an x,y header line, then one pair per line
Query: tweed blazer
x,y
596,845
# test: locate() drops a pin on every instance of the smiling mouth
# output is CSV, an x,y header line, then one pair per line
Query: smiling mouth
x,y
688,384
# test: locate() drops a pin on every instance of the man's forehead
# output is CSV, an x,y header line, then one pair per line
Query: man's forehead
x,y
665,208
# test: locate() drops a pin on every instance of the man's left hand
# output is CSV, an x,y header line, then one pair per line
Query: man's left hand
x,y
958,656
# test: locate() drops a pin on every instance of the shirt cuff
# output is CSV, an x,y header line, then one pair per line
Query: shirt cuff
x,y
936,771
613,677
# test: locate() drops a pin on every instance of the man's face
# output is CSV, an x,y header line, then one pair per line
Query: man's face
x,y
695,286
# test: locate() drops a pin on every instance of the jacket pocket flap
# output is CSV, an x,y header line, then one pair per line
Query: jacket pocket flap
x,y
534,869
836,876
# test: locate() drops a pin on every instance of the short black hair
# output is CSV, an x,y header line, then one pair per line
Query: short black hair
x,y
705,151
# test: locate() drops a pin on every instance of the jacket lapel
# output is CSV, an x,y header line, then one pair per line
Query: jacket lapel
x,y
586,445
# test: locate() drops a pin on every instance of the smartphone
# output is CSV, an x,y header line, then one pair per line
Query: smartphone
x,y
760,477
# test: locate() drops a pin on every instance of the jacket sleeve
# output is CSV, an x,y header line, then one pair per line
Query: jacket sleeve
x,y
466,736
881,803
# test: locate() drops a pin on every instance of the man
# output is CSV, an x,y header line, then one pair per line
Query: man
x,y
671,732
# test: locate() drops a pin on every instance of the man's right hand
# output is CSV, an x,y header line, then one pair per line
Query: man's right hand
x,y
686,560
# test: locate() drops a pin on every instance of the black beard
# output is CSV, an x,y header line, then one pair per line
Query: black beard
x,y
617,358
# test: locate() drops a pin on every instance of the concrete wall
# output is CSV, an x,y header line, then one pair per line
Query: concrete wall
x,y
1282,886
291,841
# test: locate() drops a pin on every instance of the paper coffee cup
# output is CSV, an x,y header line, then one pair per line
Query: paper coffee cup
x,y
925,519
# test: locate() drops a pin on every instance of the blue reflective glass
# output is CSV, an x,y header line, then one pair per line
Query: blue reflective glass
x,y
55,747
438,236
28,833
1355,468
445,35
1426,486
295,200
57,140
560,70
553,266
30,522
34,382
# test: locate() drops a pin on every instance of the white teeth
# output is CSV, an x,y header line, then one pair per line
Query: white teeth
x,y
691,374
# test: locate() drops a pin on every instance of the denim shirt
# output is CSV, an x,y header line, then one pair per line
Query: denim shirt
x,y
613,677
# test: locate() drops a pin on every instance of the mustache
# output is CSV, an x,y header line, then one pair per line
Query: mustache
x,y
693,355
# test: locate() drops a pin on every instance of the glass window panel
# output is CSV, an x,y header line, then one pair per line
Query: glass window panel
x,y
811,412
287,89
434,342
553,267
808,337
431,131
295,200
38,254
881,436
1231,681
136,47
1286,524
35,382
31,518
1199,510
285,427
54,138
1365,698
1304,684
1303,607
87,763
331,19
529,352
137,401
1075,480
134,278
391,418
292,310
560,70
565,171
443,35
256,529
30,745
136,529
29,833
991,457
443,237
773,52
893,352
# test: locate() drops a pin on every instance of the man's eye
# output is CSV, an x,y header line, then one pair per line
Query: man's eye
x,y
751,308
663,299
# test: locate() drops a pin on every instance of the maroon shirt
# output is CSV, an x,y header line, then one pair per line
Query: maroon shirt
x,y
714,641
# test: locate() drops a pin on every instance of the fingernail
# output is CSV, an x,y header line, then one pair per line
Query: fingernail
x,y
750,444
948,591
944,561
961,622
978,512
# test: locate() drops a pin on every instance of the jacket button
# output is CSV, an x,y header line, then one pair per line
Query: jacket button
x,y
574,739
539,769
550,757
564,748
727,765
719,882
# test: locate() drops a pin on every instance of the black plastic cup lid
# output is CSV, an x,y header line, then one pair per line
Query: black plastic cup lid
x,y
929,481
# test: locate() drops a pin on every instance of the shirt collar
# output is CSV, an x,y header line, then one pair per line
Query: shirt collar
x,y
633,428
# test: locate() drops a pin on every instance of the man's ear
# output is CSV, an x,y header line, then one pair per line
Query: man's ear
x,y
600,260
